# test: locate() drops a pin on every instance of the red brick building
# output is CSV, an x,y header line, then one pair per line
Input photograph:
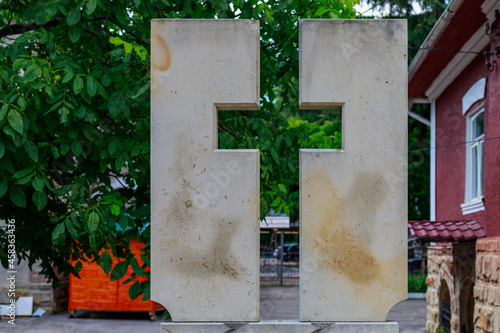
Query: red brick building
x,y
457,71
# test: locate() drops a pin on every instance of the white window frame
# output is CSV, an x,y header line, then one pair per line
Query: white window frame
x,y
472,205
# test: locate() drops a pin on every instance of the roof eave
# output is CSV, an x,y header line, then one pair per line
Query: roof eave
x,y
433,36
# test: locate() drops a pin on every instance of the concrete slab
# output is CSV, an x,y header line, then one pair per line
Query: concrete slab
x,y
204,202
353,201
283,326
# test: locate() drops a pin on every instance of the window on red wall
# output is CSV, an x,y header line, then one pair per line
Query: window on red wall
x,y
474,164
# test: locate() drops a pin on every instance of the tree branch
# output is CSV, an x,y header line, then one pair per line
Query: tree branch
x,y
93,32
19,28
140,40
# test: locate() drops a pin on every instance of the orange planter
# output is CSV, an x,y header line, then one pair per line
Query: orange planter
x,y
95,292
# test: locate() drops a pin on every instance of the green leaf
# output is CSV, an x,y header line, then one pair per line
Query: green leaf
x,y
275,155
119,271
76,147
130,279
276,202
119,163
4,185
115,209
75,31
23,173
71,228
112,147
41,18
19,63
3,111
73,16
69,75
40,199
90,6
122,221
106,80
266,145
91,86
64,148
145,259
55,152
106,262
78,266
142,90
32,150
64,112
93,222
37,184
116,103
59,234
77,85
25,180
17,197
22,103
32,73
137,269
116,41
146,290
134,290
2,149
16,121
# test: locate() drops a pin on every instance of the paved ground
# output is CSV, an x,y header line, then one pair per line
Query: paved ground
x,y
276,303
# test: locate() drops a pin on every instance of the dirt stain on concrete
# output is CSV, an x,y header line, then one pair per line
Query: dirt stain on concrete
x,y
197,253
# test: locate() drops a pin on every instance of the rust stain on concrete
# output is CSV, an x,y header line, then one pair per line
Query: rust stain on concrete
x,y
160,54
343,245
341,248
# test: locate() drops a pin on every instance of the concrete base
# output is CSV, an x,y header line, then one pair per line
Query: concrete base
x,y
282,326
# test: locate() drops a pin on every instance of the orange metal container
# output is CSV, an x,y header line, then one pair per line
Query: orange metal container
x,y
95,292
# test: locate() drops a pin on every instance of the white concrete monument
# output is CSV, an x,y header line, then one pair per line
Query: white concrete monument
x,y
204,201
353,201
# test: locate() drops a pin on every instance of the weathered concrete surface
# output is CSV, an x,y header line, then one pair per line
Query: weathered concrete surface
x,y
205,203
353,202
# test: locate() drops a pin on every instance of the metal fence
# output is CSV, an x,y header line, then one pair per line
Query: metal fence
x,y
274,272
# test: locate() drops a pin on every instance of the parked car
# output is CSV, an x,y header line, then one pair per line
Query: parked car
x,y
291,252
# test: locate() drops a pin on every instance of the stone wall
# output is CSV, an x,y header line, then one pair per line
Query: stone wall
x,y
28,283
451,278
487,288
439,279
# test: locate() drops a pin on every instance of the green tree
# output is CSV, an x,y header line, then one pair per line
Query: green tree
x,y
74,118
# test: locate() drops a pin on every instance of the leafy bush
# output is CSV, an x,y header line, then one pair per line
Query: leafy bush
x,y
416,283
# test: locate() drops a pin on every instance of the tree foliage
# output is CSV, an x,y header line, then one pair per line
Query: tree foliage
x,y
74,120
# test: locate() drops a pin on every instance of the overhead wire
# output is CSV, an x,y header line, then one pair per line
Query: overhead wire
x,y
453,144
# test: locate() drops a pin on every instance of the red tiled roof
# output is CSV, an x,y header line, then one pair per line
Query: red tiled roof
x,y
446,230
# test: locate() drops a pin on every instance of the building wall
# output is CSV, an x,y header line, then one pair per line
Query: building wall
x,y
450,130
492,154
487,288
